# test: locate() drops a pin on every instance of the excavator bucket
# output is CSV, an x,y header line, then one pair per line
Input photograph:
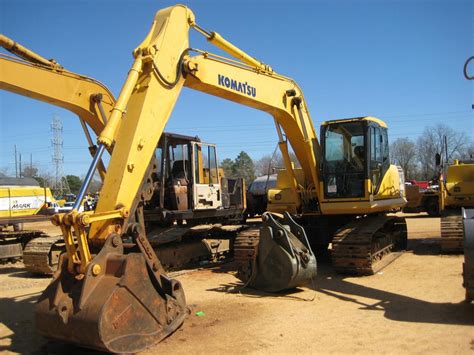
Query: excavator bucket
x,y
120,305
468,267
275,257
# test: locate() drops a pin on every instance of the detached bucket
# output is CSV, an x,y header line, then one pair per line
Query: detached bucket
x,y
277,258
119,306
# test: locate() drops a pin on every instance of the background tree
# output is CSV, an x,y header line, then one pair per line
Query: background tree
x,y
266,164
30,171
95,185
403,153
42,181
45,179
228,166
74,183
261,165
469,154
243,167
432,142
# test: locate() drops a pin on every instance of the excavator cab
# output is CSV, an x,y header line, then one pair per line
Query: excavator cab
x,y
189,185
356,157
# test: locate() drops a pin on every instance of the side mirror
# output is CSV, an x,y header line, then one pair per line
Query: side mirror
x,y
438,159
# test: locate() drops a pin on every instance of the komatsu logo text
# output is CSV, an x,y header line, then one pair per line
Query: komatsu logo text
x,y
235,85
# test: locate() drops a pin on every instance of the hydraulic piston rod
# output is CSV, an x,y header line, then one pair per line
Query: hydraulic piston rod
x,y
220,42
25,53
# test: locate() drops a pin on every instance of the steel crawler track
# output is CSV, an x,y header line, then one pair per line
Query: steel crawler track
x,y
366,245
452,234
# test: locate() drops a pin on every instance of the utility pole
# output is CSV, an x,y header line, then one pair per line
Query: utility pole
x,y
16,164
20,166
446,149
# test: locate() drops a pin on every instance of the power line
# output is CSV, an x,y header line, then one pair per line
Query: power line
x,y
61,185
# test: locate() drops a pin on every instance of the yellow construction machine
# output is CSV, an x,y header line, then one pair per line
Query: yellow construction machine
x,y
468,221
22,200
456,190
111,291
31,75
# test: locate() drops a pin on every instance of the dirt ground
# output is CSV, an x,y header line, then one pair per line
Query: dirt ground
x,y
414,305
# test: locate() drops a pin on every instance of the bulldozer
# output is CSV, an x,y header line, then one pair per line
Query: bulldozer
x,y
456,191
111,291
468,225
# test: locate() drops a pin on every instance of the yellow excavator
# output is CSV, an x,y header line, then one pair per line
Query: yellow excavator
x,y
111,292
31,75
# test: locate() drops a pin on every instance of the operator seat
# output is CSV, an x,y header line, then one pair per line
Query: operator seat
x,y
178,172
179,185
359,153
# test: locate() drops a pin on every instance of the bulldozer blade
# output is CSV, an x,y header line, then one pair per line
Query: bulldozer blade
x,y
118,306
468,266
284,258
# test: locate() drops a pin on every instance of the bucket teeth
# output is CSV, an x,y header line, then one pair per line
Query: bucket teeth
x,y
119,309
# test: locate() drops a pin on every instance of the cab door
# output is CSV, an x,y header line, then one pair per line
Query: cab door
x,y
206,187
379,156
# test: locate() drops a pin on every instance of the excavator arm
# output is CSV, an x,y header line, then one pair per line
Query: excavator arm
x,y
162,66
112,299
44,80
265,91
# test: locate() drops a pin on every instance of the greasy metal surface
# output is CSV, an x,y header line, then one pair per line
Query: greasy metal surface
x,y
12,243
24,219
452,234
468,266
191,251
366,245
279,258
118,309
245,253
41,255
181,246
10,250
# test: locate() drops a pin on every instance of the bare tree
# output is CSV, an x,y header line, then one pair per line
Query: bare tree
x,y
403,153
30,171
432,142
267,164
469,153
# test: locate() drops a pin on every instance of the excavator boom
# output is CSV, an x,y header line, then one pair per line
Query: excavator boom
x,y
104,285
109,296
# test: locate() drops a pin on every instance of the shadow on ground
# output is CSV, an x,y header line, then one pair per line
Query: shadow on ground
x,y
17,314
395,307
425,246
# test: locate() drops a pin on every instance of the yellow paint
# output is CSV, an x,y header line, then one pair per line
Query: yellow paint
x,y
356,119
459,190
18,201
146,101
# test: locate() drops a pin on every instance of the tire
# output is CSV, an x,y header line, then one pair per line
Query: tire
x,y
17,227
432,207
